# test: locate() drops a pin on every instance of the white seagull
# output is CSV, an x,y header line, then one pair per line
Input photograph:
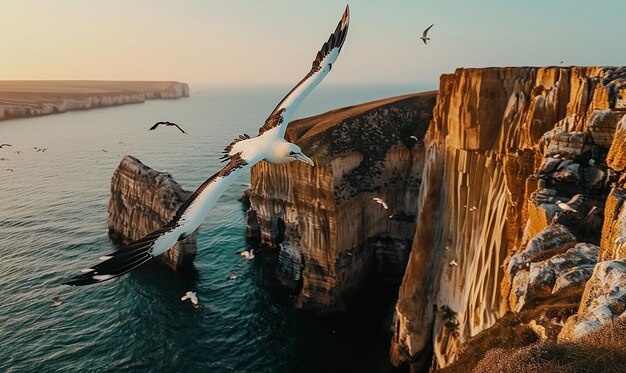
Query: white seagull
x,y
243,153
191,295
565,207
247,255
382,202
424,38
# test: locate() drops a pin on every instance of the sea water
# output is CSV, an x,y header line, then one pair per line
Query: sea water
x,y
53,222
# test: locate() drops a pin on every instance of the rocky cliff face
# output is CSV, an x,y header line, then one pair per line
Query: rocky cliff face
x,y
521,183
143,200
330,232
19,99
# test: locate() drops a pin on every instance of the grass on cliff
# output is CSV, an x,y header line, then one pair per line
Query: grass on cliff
x,y
509,347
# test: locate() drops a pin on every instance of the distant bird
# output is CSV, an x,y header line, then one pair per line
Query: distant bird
x,y
414,138
473,208
565,207
381,202
4,159
232,276
104,150
17,152
240,155
56,301
10,169
453,263
560,63
3,145
424,38
192,297
167,124
40,149
247,255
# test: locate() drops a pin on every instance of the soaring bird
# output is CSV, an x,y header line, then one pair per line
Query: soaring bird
x,y
244,152
167,124
247,255
191,295
424,37
3,145
565,207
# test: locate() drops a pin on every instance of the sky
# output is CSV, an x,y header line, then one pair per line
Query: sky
x,y
274,41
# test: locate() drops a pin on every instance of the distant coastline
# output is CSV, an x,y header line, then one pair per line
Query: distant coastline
x,y
31,98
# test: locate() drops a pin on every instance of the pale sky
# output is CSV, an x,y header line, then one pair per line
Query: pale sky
x,y
275,41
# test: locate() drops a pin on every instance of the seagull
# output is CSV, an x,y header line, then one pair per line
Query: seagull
x,y
247,255
453,263
382,202
56,301
3,145
167,124
40,149
232,276
565,207
191,295
415,138
243,153
424,37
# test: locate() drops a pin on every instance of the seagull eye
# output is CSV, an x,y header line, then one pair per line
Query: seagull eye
x,y
292,153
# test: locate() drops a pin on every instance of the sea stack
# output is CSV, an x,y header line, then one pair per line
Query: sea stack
x,y
142,200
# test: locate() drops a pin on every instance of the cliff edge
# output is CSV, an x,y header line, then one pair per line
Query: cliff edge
x,y
330,233
30,98
521,195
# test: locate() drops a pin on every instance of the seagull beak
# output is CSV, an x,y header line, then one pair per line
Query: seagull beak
x,y
303,158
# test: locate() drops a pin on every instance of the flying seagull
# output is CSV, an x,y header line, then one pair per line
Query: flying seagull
x,y
565,207
3,145
424,37
167,124
240,155
192,297
247,255
383,204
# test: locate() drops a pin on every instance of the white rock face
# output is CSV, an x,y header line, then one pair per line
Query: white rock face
x,y
603,300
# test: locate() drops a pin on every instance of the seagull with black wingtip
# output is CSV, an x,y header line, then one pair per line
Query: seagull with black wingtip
x,y
244,152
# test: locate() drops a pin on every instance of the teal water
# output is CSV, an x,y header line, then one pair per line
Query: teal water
x,y
53,222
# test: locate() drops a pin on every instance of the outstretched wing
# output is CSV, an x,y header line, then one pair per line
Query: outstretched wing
x,y
426,31
186,220
155,126
322,64
181,130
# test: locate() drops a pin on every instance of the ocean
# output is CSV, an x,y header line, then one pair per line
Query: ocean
x,y
53,222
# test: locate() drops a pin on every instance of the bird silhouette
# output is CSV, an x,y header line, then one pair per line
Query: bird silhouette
x,y
3,145
424,38
167,124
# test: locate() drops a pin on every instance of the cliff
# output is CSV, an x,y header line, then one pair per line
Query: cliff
x,y
330,233
20,99
508,152
143,200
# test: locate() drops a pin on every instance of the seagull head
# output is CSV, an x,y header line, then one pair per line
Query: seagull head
x,y
288,152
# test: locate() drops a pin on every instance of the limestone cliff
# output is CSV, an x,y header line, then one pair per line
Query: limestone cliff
x,y
330,232
19,99
143,200
506,150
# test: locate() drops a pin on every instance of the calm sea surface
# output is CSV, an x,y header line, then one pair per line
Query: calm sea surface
x,y
53,222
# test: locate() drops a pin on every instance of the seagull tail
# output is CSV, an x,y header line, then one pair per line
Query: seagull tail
x,y
115,264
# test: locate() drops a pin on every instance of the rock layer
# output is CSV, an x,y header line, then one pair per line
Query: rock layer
x,y
20,99
330,233
142,200
505,146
